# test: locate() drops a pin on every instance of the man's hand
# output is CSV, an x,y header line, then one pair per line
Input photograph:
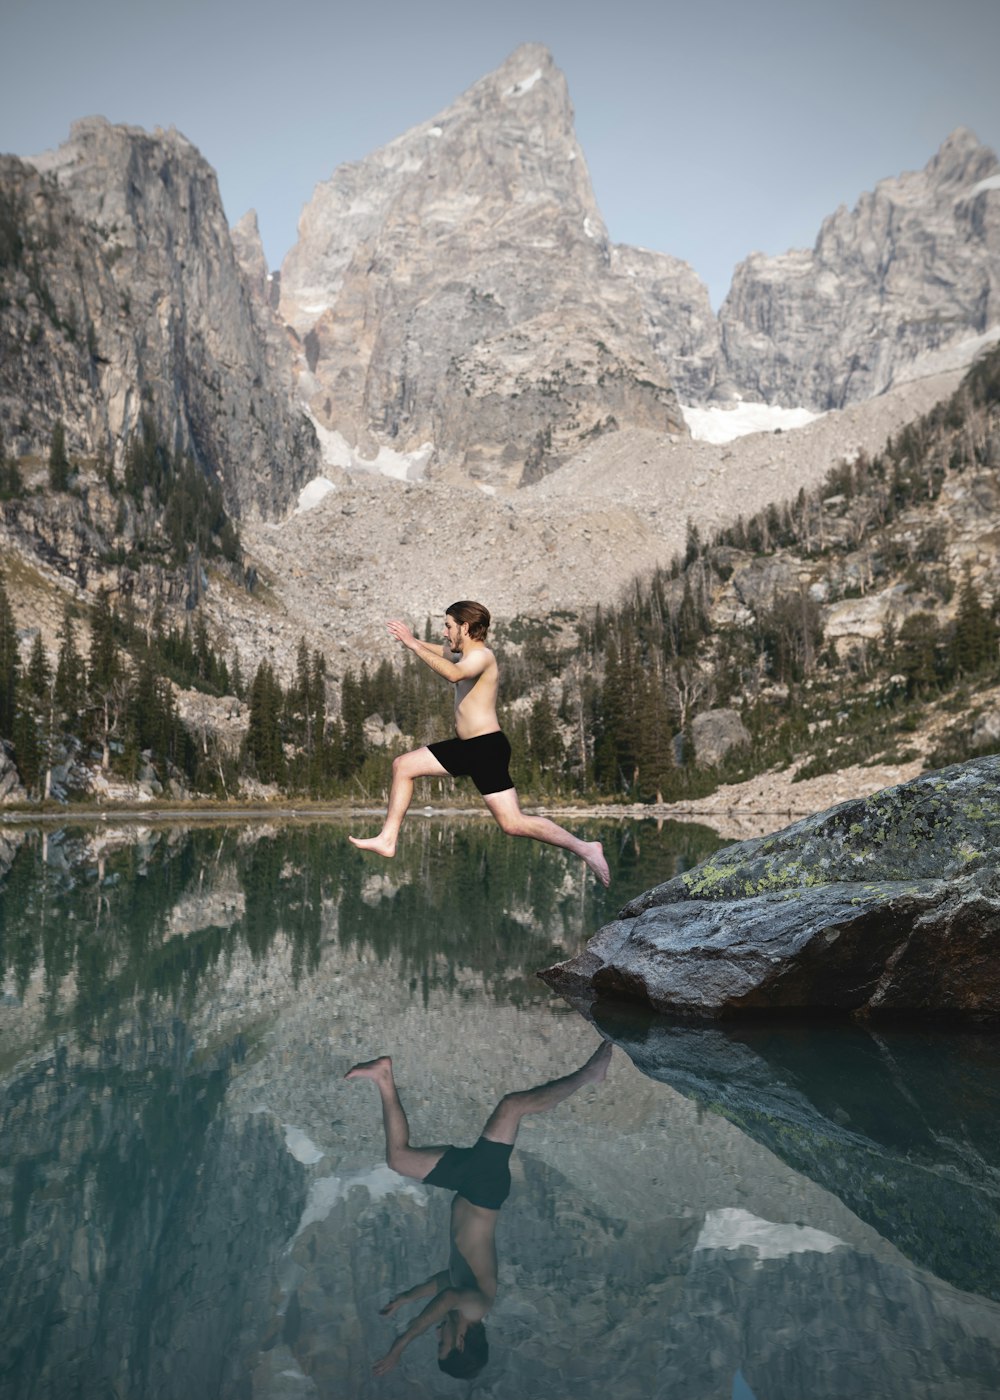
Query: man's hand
x,y
389,1361
402,633
392,1305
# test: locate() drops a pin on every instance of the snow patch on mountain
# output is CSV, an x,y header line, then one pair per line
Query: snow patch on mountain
x,y
720,425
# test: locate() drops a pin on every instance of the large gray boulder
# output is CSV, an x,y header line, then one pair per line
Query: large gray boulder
x,y
885,905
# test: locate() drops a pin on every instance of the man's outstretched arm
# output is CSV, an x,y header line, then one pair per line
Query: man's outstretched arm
x,y
462,670
437,1283
436,1310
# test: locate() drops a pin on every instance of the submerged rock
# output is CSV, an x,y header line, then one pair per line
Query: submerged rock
x,y
882,905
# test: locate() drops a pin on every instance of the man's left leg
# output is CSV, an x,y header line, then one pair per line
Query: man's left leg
x,y
507,812
419,763
504,1121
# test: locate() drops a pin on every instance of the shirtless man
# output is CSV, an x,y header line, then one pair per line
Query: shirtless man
x,y
481,750
463,1293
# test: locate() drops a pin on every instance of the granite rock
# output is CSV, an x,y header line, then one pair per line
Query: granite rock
x,y
911,271
888,905
455,301
127,298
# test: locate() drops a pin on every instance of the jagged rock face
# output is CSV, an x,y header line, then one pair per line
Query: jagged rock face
x,y
679,320
454,294
883,905
913,267
129,299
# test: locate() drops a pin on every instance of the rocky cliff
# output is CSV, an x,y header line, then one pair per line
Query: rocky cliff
x,y
123,296
913,268
679,320
455,299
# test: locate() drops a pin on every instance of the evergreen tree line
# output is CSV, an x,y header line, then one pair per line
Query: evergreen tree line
x,y
119,708
170,488
611,712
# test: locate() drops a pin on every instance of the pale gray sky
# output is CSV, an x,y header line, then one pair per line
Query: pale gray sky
x,y
711,130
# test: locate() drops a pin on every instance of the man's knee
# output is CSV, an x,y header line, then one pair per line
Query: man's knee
x,y
510,823
403,765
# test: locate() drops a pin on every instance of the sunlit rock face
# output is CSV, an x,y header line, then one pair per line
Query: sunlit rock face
x,y
679,320
128,300
913,268
886,905
454,296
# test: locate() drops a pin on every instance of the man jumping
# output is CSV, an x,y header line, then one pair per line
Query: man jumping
x,y
464,1291
481,751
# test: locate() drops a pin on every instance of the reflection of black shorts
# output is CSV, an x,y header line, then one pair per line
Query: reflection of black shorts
x,y
485,759
481,1174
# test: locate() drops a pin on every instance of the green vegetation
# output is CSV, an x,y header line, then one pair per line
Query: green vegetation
x,y
602,706
180,509
58,460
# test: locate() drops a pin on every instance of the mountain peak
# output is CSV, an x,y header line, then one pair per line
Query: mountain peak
x,y
961,158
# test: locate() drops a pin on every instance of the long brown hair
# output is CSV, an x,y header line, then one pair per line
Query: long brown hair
x,y
474,614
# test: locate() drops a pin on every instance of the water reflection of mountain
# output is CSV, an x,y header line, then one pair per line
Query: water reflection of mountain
x,y
652,1304
133,1236
180,1010
900,1125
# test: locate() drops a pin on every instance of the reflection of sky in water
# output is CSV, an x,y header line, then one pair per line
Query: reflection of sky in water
x,y
192,1202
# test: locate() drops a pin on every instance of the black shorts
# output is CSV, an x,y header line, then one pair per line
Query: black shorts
x,y
480,1174
485,759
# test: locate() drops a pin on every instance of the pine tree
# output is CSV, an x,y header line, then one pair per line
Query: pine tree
x,y
69,692
973,643
9,665
58,461
916,651
545,745
104,661
31,727
38,673
107,685
264,739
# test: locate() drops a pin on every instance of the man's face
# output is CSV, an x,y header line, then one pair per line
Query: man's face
x,y
451,1334
454,632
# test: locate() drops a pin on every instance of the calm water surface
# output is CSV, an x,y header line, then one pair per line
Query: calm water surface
x,y
193,1203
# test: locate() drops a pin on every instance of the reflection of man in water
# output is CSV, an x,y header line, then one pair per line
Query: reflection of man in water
x,y
462,1294
481,750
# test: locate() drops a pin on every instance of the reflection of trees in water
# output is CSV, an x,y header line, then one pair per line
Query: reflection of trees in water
x,y
101,920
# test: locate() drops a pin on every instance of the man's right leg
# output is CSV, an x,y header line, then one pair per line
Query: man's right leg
x,y
419,763
504,1121
407,1160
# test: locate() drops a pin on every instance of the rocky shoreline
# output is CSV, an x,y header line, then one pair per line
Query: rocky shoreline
x,y
753,808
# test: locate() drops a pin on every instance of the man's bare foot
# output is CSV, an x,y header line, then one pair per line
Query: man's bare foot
x,y
593,854
372,1069
381,845
596,1067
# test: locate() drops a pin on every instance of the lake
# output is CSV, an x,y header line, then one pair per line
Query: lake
x,y
194,1203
